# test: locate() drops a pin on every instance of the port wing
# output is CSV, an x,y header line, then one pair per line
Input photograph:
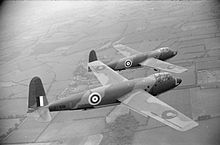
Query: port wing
x,y
105,74
162,65
148,105
125,50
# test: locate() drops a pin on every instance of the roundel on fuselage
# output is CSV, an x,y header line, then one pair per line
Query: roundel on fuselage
x,y
94,98
128,63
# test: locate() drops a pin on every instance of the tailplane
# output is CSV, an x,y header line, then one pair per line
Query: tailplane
x,y
37,101
92,57
41,114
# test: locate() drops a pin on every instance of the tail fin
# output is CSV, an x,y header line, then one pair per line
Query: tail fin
x,y
37,100
92,57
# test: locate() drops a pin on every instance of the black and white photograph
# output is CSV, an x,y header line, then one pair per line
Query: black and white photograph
x,y
110,72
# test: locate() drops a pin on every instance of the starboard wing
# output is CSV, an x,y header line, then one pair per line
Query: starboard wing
x,y
162,65
105,74
148,105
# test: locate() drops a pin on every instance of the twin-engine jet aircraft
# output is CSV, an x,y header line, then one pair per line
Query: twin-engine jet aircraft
x,y
137,95
154,59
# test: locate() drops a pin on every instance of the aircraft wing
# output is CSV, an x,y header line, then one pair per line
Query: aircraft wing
x,y
162,65
105,74
148,105
125,50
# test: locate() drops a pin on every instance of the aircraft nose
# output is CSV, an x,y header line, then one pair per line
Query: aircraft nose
x,y
178,81
174,53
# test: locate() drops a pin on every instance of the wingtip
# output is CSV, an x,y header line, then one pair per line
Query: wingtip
x,y
178,71
189,126
184,70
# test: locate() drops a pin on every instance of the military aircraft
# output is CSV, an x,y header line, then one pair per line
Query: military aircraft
x,y
133,59
137,95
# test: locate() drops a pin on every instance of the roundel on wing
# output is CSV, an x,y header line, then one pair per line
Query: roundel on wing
x,y
128,63
100,67
169,114
170,66
94,98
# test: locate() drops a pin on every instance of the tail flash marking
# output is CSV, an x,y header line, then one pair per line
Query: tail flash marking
x,y
41,100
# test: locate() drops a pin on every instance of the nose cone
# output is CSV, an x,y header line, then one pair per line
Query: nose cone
x,y
174,53
178,81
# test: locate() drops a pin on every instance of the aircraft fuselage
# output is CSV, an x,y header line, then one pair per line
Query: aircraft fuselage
x,y
135,60
109,94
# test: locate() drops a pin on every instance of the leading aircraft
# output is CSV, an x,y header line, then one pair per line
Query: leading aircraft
x,y
134,59
137,95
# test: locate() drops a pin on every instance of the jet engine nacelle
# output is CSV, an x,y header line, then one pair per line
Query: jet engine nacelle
x,y
164,82
165,53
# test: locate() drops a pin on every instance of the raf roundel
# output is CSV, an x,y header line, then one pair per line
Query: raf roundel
x,y
100,67
128,63
94,98
169,114
170,67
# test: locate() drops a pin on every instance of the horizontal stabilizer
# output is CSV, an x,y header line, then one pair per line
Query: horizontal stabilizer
x,y
41,114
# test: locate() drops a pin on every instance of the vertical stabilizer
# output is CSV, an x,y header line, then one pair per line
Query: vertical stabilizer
x,y
37,100
92,57
37,97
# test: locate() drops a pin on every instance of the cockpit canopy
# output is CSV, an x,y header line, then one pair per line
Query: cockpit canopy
x,y
165,49
161,77
166,53
164,81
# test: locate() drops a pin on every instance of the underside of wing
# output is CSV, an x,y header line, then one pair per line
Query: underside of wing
x,y
119,110
125,50
148,105
104,74
162,65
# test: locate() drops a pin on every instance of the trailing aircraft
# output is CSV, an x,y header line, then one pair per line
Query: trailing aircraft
x,y
134,59
138,95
